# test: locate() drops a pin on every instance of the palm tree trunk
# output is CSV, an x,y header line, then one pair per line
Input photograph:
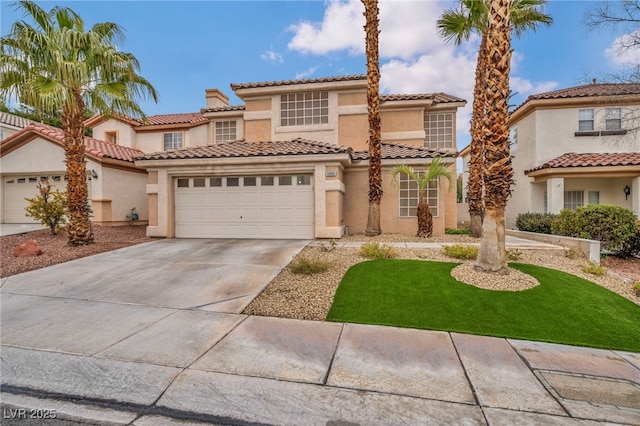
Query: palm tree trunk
x,y
425,219
80,228
371,13
475,186
497,168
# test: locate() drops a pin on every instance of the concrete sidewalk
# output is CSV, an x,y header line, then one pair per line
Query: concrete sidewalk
x,y
153,334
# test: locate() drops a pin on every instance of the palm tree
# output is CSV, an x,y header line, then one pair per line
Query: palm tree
x,y
371,13
497,170
56,67
435,170
458,25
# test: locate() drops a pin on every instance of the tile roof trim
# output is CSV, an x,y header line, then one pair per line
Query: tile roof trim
x,y
573,160
94,148
13,120
354,77
428,152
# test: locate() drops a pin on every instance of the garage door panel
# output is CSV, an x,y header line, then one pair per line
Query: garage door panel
x,y
17,188
254,211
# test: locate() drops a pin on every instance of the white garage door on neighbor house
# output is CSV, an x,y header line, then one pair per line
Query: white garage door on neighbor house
x,y
244,207
16,188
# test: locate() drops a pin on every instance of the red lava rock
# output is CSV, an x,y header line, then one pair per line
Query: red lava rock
x,y
28,248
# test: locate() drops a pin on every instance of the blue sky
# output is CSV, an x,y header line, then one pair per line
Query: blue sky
x,y
187,46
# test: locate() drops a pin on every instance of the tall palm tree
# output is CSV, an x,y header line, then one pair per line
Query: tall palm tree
x,y
497,170
458,25
56,67
371,13
435,170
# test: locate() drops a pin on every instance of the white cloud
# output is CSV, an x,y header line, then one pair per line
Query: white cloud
x,y
625,50
307,73
271,56
524,87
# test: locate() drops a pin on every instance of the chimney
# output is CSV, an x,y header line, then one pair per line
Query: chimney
x,y
216,99
593,81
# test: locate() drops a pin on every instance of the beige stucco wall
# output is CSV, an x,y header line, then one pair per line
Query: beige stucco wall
x,y
353,131
125,190
258,104
126,136
257,130
353,98
197,136
6,131
402,120
357,205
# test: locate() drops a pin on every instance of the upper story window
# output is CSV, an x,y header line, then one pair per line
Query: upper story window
x,y
172,141
410,195
304,109
613,119
438,129
585,120
226,131
111,137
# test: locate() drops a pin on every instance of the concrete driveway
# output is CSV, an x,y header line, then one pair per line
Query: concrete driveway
x,y
162,294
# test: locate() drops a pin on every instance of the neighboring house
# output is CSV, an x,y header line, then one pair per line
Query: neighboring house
x,y
11,124
36,153
573,147
292,162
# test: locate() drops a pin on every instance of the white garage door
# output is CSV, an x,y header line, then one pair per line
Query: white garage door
x,y
244,207
16,188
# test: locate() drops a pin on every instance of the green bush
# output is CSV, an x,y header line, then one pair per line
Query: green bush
x,y
611,225
48,207
514,255
460,251
631,247
594,269
302,265
377,251
456,231
535,222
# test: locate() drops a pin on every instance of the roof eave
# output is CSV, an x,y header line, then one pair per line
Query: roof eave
x,y
344,158
244,92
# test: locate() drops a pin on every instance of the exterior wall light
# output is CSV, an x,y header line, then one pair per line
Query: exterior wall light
x,y
627,192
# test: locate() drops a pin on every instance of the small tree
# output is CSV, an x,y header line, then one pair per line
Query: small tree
x,y
49,207
422,179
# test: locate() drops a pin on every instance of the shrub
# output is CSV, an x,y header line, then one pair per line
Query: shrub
x,y
535,222
514,255
460,251
302,265
631,247
456,231
594,269
611,225
48,207
572,253
377,251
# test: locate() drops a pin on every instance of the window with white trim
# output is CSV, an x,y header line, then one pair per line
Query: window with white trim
x,y
111,137
613,119
172,140
409,196
438,130
573,199
226,131
304,109
585,120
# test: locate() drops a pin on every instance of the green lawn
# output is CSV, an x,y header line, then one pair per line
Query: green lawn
x,y
420,294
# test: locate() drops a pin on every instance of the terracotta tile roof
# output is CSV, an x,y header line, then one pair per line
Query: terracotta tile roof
x,y
94,147
291,82
573,159
241,148
437,98
191,118
589,90
224,108
14,120
391,151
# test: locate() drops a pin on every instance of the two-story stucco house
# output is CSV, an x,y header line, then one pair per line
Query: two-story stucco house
x,y
576,146
573,147
291,162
